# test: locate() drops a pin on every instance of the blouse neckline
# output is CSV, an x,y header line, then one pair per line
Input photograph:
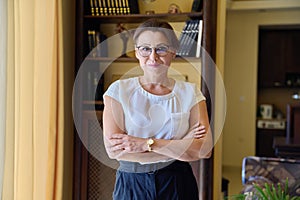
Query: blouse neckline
x,y
155,96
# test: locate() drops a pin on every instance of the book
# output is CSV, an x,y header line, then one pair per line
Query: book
x,y
197,6
91,41
97,46
190,44
94,86
96,7
113,7
100,8
89,89
101,45
190,39
92,7
182,38
133,6
126,5
99,87
199,39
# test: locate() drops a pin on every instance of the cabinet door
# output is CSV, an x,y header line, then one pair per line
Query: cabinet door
x,y
264,141
279,58
97,179
293,52
271,68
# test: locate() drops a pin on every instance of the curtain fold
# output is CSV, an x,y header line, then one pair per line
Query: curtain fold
x,y
3,47
35,127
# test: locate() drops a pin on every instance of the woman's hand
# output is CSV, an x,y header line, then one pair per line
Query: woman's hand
x,y
198,131
127,143
131,144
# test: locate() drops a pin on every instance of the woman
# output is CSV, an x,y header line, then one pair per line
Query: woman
x,y
155,125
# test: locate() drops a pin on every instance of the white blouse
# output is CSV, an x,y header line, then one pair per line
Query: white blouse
x,y
157,116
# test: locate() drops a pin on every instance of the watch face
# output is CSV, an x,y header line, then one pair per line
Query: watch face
x,y
150,141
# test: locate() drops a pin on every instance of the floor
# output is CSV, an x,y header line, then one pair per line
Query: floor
x,y
233,174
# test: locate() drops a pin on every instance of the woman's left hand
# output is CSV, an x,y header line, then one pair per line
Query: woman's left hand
x,y
127,143
198,131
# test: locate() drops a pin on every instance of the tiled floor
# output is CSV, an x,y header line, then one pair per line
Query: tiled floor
x,y
233,174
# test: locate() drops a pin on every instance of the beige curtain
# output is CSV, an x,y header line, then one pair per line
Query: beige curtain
x,y
38,140
3,47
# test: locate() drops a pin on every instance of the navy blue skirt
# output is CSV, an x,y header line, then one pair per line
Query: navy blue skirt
x,y
174,182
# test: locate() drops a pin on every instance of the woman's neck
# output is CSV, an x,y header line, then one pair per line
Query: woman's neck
x,y
157,85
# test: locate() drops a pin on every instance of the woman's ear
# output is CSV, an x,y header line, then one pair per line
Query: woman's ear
x,y
136,54
174,54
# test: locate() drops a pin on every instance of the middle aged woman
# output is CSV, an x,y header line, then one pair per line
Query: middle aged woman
x,y
154,125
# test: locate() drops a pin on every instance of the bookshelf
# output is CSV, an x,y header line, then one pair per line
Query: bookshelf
x,y
138,18
85,185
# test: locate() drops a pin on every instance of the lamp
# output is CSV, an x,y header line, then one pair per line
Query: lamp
x,y
296,96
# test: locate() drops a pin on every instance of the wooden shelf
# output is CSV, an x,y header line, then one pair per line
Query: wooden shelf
x,y
138,18
93,102
93,105
111,59
131,59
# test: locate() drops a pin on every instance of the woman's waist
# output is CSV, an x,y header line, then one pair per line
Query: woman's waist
x,y
135,167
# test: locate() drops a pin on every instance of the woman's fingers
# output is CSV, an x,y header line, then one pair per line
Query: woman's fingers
x,y
117,136
199,132
114,148
195,126
126,143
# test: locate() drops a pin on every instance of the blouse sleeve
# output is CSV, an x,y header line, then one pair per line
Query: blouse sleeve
x,y
198,96
113,91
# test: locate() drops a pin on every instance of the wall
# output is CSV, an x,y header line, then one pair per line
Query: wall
x,y
220,104
270,95
240,77
162,6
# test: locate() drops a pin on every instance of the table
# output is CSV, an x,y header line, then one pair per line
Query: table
x,y
286,148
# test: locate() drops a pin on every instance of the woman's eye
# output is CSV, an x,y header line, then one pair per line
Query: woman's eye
x,y
162,49
146,48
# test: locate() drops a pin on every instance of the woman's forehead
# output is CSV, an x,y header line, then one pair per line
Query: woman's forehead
x,y
152,37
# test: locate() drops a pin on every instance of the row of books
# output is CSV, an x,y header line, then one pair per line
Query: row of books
x,y
113,7
95,83
190,39
94,39
197,5
94,86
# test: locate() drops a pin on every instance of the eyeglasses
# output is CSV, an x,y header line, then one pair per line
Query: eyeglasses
x,y
146,51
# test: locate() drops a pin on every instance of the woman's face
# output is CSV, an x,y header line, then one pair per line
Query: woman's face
x,y
153,50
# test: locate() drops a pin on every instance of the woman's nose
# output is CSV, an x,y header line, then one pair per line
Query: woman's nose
x,y
153,55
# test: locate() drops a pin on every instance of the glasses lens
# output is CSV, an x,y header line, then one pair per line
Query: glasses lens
x,y
162,50
146,50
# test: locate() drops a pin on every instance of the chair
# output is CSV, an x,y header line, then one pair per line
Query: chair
x,y
261,170
293,123
289,146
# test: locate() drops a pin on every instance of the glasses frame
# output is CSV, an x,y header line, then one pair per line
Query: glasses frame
x,y
153,49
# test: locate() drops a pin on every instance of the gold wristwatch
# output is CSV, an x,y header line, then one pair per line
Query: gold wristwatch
x,y
150,142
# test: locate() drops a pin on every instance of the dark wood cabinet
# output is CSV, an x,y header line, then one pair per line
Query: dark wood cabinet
x,y
264,141
279,60
292,51
89,173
